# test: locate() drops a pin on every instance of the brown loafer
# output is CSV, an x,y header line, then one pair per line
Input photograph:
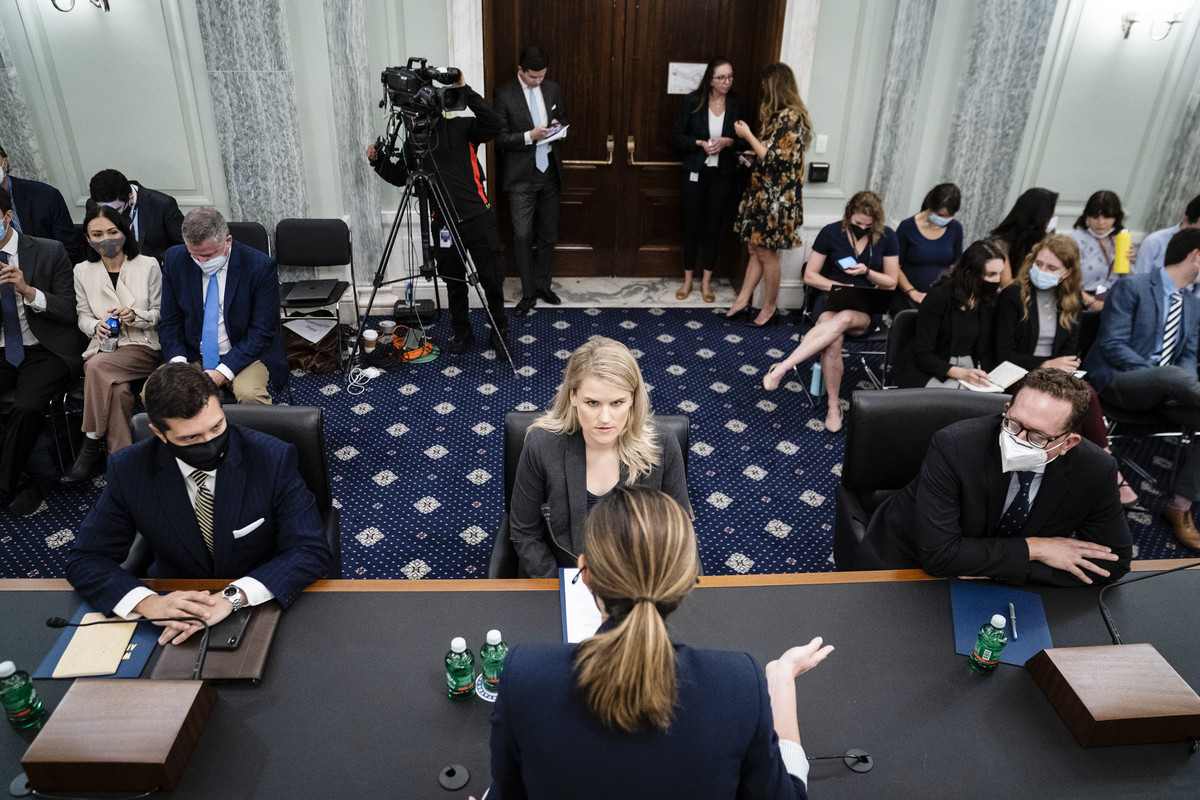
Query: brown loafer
x,y
1184,525
709,297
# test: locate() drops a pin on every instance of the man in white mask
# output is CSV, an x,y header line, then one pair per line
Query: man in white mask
x,y
220,309
1020,497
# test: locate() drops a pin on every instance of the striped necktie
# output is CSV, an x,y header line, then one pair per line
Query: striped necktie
x,y
14,344
204,507
1171,330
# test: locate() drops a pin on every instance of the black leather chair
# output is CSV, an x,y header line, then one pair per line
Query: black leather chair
x,y
301,426
504,563
903,330
887,436
251,234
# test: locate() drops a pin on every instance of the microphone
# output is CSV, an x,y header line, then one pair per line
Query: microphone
x,y
59,622
1108,620
550,530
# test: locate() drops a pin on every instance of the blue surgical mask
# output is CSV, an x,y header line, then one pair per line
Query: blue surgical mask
x,y
941,222
1042,279
212,266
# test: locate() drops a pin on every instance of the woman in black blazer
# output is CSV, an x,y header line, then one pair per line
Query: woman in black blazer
x,y
704,134
626,713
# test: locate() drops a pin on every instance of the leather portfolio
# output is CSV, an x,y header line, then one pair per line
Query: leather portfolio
x,y
244,664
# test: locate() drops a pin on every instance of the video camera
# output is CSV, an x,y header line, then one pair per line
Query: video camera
x,y
409,95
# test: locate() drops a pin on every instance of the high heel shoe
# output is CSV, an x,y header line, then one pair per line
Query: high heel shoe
x,y
841,416
743,313
767,374
771,322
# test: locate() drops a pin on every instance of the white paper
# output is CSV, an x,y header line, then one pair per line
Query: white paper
x,y
684,77
582,617
1001,378
313,329
560,134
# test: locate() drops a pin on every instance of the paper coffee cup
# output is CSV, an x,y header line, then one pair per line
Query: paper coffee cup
x,y
369,339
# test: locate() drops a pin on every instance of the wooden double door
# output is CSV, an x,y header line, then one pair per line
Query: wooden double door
x,y
620,213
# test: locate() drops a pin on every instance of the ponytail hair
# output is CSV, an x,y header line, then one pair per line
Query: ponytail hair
x,y
641,561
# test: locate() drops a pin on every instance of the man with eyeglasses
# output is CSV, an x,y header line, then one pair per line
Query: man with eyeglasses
x,y
1016,498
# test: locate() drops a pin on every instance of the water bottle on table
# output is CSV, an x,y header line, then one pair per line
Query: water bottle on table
x,y
991,641
21,703
460,669
491,658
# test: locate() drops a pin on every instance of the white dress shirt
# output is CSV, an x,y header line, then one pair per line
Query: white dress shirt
x,y
39,299
223,345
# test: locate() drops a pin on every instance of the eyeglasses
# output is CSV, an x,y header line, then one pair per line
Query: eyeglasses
x,y
723,78
1035,438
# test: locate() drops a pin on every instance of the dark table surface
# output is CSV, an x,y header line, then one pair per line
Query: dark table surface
x,y
353,702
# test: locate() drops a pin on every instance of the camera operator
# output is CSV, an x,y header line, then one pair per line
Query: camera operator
x,y
455,160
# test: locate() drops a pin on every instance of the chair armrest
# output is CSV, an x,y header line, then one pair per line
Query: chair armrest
x,y
331,524
849,528
139,559
504,562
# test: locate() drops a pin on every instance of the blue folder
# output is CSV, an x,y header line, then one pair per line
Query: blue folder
x,y
141,645
974,603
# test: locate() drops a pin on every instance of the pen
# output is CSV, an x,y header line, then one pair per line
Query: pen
x,y
1012,615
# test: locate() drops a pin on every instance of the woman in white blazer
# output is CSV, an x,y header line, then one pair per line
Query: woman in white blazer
x,y
115,281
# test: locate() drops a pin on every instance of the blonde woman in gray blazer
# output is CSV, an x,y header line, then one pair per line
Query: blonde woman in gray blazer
x,y
115,281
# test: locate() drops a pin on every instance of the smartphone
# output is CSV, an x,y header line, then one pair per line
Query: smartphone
x,y
847,262
227,634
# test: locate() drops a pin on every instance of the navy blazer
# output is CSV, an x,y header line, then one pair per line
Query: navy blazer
x,y
1131,329
944,521
517,159
251,310
260,480
692,125
42,212
45,267
160,222
546,743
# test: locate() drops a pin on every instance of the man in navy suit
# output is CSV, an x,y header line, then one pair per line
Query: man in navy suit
x,y
234,333
154,217
1145,358
212,500
531,107
39,210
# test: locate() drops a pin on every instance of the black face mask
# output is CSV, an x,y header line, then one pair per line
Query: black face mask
x,y
205,456
859,232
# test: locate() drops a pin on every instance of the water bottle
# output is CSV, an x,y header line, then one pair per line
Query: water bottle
x,y
114,330
460,669
818,386
491,659
991,641
21,703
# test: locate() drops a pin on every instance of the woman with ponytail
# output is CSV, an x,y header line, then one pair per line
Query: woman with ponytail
x,y
627,713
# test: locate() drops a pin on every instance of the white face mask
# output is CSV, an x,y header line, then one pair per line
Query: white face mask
x,y
1052,225
1100,235
3,173
1020,456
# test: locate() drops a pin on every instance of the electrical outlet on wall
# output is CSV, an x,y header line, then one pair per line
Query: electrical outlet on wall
x,y
822,143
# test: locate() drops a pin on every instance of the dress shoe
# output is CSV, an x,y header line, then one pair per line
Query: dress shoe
x,y
494,340
524,306
549,296
745,313
87,462
459,342
1181,521
29,499
766,379
833,423
771,322
708,297
681,294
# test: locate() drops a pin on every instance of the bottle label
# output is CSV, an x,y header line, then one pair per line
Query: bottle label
x,y
985,656
458,688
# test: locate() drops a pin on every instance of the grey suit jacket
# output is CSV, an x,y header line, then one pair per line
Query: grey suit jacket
x,y
553,470
517,158
45,265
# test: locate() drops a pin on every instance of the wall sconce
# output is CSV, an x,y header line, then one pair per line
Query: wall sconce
x,y
1169,13
58,4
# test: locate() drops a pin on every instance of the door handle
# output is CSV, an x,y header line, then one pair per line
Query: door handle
x,y
609,145
630,145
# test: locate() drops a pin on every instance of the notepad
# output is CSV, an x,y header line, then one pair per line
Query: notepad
x,y
97,650
580,615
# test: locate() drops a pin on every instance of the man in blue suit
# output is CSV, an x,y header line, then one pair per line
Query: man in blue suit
x,y
212,500
1145,358
40,210
220,309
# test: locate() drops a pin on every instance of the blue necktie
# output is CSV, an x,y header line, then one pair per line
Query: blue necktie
x,y
210,354
541,155
14,344
1018,510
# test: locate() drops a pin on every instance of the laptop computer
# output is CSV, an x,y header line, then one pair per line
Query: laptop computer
x,y
315,292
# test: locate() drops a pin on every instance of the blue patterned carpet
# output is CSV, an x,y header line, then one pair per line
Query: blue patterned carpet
x,y
416,458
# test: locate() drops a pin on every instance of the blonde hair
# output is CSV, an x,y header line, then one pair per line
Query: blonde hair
x,y
609,361
1066,294
779,93
865,202
641,561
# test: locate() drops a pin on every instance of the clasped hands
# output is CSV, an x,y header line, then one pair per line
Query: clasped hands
x,y
212,608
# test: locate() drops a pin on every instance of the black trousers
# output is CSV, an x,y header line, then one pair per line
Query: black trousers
x,y
705,204
481,237
535,210
41,377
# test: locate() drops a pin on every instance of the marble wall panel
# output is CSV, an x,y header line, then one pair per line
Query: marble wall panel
x,y
1180,180
995,94
16,125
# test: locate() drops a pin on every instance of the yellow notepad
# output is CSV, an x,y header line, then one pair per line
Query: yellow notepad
x,y
96,650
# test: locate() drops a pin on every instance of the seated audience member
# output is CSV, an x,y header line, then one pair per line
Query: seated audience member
x,y
220,308
39,209
1151,253
646,718
1037,324
1096,232
39,349
862,238
930,243
212,500
1145,358
154,217
115,281
599,434
1031,217
953,339
1019,497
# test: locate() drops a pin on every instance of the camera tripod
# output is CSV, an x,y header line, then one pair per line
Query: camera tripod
x,y
427,188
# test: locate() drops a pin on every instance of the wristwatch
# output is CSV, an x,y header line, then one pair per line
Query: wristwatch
x,y
234,595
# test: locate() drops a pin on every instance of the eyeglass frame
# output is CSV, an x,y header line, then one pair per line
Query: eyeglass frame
x,y
1005,420
722,78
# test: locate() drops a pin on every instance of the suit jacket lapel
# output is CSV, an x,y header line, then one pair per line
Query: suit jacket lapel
x,y
997,483
233,280
1055,483
231,484
177,509
575,468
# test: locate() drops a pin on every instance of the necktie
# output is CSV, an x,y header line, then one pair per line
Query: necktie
x,y
541,154
204,508
210,354
1171,330
14,344
1018,510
